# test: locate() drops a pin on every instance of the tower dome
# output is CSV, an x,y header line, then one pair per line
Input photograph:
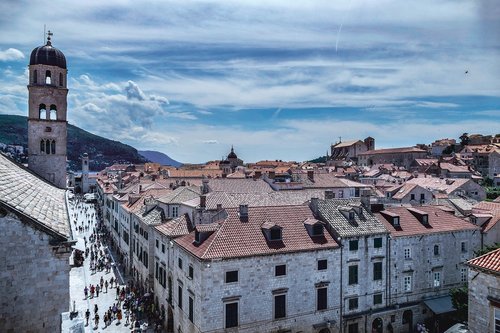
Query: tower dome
x,y
48,55
232,154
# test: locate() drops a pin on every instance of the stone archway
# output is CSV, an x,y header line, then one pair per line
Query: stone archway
x,y
408,320
324,330
377,326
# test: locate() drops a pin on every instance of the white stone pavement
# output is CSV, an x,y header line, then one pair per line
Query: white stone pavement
x,y
82,276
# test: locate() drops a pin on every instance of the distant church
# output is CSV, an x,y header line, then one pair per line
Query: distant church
x,y
47,104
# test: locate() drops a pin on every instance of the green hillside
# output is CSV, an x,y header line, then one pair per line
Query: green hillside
x,y
102,152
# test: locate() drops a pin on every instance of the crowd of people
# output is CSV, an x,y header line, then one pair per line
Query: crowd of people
x,y
132,305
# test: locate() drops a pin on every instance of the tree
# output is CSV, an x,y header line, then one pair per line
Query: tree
x,y
460,300
464,139
486,249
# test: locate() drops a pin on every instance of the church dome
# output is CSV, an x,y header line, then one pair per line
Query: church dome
x,y
48,55
232,154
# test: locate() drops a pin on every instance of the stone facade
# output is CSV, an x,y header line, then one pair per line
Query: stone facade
x,y
34,279
484,297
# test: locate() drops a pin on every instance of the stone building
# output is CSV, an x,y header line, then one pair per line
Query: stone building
x,y
484,292
428,249
363,261
397,156
35,246
47,135
260,269
348,151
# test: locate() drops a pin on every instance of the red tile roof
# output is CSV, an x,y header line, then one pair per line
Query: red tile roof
x,y
492,208
489,262
235,238
177,227
439,221
392,151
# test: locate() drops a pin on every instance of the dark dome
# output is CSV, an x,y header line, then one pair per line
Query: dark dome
x,y
48,55
232,154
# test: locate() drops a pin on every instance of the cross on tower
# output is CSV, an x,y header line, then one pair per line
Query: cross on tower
x,y
49,36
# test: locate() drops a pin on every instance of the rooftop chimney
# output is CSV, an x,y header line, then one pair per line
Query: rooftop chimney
x,y
204,186
219,207
310,174
272,174
365,198
203,201
243,212
314,205
257,174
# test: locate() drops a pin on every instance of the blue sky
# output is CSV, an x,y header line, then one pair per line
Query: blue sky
x,y
278,79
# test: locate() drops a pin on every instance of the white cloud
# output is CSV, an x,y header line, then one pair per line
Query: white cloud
x,y
11,54
210,142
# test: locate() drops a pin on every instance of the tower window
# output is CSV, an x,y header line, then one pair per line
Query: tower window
x,y
42,111
61,83
53,147
48,78
53,112
35,76
47,146
42,146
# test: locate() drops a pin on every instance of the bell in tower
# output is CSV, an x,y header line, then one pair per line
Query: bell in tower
x,y
47,106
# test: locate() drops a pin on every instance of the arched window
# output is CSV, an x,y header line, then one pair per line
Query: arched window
x,y
53,147
48,78
42,146
35,76
53,112
47,146
42,111
61,83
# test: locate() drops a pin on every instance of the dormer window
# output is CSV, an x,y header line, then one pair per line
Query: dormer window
x,y
395,221
275,234
317,229
197,236
351,215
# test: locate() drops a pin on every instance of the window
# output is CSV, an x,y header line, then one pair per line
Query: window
x,y
162,248
35,77
422,196
156,270
317,229
191,272
353,274
463,274
412,196
179,262
353,303
407,252
279,306
353,245
436,250
322,299
395,221
157,243
231,276
463,247
377,242
341,193
353,328
48,79
53,112
191,309
280,270
146,260
145,235
351,216
322,264
275,234
42,146
437,279
377,271
179,300
231,315
377,299
407,284
497,320
175,211
61,83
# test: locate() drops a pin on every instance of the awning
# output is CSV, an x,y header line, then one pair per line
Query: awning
x,y
440,305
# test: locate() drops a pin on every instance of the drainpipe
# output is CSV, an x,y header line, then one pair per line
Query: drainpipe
x,y
388,270
341,321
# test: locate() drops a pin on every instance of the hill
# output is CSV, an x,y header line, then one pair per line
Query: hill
x,y
159,157
102,152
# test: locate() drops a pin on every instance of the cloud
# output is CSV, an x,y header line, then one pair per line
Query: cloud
x,y
210,142
133,91
11,54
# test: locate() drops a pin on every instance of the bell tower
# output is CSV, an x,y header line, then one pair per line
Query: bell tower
x,y
47,103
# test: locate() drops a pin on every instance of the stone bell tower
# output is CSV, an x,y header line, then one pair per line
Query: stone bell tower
x,y
47,136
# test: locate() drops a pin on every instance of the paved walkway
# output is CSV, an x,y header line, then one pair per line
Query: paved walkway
x,y
82,276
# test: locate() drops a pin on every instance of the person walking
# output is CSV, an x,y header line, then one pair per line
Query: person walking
x,y
119,316
106,286
97,288
86,292
95,308
102,282
87,316
117,291
96,319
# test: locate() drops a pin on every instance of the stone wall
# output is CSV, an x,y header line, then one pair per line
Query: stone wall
x,y
34,280
482,285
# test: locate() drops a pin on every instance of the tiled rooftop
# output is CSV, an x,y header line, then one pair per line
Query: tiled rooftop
x,y
177,227
489,261
181,194
393,151
235,238
239,185
29,194
362,225
409,225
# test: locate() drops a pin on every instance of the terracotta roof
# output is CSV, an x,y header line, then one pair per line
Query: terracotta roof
x,y
153,216
194,173
444,185
346,143
235,238
177,227
208,227
23,191
454,168
239,185
489,262
438,220
492,208
180,194
393,151
425,161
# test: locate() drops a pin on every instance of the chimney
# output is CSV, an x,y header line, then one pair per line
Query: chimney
x,y
204,186
310,174
329,194
140,188
203,201
243,212
365,198
314,205
257,174
219,207
271,174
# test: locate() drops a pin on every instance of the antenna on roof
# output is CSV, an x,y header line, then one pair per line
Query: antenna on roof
x,y
44,33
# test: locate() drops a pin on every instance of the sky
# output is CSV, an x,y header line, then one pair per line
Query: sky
x,y
276,79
